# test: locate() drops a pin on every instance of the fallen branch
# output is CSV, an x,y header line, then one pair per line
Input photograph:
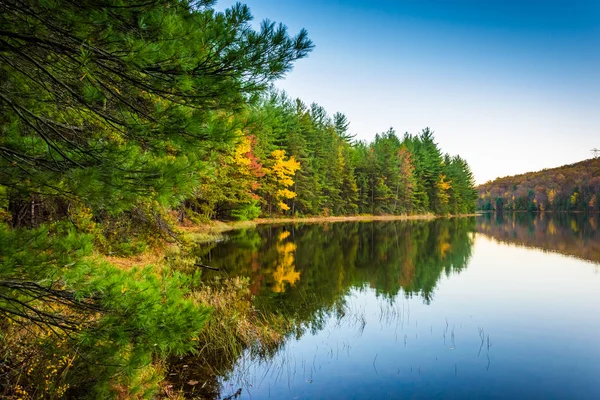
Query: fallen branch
x,y
206,266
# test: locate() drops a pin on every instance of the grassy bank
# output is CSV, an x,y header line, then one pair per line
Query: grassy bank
x,y
214,230
348,218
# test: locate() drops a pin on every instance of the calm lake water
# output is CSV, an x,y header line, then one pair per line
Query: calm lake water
x,y
496,306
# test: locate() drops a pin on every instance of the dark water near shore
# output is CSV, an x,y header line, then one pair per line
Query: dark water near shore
x,y
496,306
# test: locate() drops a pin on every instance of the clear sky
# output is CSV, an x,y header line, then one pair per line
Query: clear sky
x,y
512,86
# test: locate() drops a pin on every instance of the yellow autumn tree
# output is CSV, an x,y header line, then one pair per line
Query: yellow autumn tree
x,y
233,181
243,147
279,175
443,197
592,202
551,196
574,198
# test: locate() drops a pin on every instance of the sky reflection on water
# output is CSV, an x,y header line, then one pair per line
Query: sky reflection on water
x,y
512,322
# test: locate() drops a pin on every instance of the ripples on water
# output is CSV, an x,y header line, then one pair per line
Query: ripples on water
x,y
497,306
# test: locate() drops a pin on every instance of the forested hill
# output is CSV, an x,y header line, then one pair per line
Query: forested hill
x,y
574,187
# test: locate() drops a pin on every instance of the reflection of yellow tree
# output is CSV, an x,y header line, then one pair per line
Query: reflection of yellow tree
x,y
408,266
443,243
574,226
286,268
551,227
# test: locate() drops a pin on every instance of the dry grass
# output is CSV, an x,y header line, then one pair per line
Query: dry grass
x,y
346,218
154,256
235,326
29,367
208,232
212,231
235,323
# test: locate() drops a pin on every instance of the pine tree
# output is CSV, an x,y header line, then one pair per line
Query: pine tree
x,y
112,112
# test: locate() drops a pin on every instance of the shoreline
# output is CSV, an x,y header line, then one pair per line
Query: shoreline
x,y
351,218
213,230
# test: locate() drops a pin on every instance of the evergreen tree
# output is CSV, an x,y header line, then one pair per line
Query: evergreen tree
x,y
341,123
113,113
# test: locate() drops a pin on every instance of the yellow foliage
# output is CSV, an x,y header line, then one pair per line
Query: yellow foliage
x,y
574,198
285,194
444,243
551,195
443,186
551,227
574,226
241,150
284,169
444,248
282,275
281,173
286,252
283,235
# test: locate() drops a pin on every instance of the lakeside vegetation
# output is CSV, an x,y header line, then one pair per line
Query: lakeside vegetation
x,y
574,187
123,124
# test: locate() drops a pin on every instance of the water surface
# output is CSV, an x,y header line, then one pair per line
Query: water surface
x,y
497,306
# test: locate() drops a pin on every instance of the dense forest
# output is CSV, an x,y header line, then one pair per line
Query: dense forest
x,y
121,121
574,187
294,159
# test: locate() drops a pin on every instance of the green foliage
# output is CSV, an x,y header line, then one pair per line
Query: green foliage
x,y
341,177
119,111
120,120
121,320
246,212
109,106
321,265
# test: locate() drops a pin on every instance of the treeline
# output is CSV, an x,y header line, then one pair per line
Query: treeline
x,y
298,160
129,133
574,187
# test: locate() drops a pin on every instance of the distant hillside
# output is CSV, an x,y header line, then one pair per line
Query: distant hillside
x,y
574,187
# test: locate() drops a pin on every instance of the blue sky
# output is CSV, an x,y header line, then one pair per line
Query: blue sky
x,y
511,86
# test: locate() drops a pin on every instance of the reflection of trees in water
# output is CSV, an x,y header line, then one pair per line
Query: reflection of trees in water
x,y
304,271
572,234
285,271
